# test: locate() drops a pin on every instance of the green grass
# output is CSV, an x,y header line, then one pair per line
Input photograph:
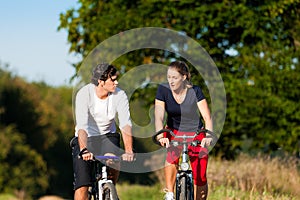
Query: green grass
x,y
228,193
246,178
7,197
138,192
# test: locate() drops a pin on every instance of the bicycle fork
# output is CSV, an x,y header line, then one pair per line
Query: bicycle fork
x,y
102,181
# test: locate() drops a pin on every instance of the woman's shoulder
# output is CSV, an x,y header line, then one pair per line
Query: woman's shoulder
x,y
164,86
198,91
196,88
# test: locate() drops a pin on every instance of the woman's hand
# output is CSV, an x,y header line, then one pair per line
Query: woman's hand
x,y
164,142
206,142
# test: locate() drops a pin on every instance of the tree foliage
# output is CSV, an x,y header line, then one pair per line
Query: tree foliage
x,y
255,45
23,170
36,125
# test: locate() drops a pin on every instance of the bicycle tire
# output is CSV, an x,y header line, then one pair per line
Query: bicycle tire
x,y
109,192
183,188
189,190
92,194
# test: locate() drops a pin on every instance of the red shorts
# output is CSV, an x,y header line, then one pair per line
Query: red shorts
x,y
198,157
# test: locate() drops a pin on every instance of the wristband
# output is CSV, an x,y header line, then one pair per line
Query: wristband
x,y
209,132
82,152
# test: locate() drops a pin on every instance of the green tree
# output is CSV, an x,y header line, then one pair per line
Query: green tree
x,y
37,126
23,170
255,45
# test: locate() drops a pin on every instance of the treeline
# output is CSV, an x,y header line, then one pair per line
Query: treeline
x,y
255,45
36,125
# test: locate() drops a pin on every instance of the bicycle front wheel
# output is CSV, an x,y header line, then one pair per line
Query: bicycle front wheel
x,y
92,193
183,189
109,192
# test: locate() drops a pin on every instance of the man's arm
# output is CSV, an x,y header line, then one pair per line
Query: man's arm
x,y
127,139
82,141
125,125
81,118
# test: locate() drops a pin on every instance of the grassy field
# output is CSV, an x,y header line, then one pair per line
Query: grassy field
x,y
246,178
137,192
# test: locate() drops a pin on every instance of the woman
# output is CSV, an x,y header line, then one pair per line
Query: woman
x,y
182,101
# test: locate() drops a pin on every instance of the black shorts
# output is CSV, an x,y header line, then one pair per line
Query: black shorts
x,y
98,145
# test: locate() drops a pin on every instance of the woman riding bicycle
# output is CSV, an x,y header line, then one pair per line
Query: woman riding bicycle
x,y
96,107
182,101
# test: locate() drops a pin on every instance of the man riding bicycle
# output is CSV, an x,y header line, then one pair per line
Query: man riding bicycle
x,y
96,106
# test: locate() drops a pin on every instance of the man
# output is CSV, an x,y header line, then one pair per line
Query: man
x,y
96,106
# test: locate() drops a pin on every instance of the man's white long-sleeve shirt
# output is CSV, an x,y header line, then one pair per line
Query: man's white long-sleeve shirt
x,y
98,117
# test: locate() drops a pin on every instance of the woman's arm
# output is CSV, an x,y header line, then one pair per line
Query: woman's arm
x,y
205,113
159,112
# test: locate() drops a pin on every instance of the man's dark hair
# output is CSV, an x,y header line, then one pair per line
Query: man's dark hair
x,y
102,72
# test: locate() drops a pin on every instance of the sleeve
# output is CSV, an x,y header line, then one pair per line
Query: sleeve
x,y
123,110
82,109
160,93
199,94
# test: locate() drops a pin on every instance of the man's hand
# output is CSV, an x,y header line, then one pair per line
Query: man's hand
x,y
129,157
86,155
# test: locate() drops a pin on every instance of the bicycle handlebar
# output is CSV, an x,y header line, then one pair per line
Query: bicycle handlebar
x,y
104,158
211,134
115,158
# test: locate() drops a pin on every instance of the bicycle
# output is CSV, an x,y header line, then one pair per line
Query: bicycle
x,y
102,188
184,178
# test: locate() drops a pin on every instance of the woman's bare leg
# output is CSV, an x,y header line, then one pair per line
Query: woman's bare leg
x,y
170,176
200,192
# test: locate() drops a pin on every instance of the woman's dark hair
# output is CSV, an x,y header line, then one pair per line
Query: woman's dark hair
x,y
102,72
183,69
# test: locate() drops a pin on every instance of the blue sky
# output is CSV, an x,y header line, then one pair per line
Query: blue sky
x,y
30,42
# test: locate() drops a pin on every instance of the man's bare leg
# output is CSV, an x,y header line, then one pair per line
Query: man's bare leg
x,y
81,193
